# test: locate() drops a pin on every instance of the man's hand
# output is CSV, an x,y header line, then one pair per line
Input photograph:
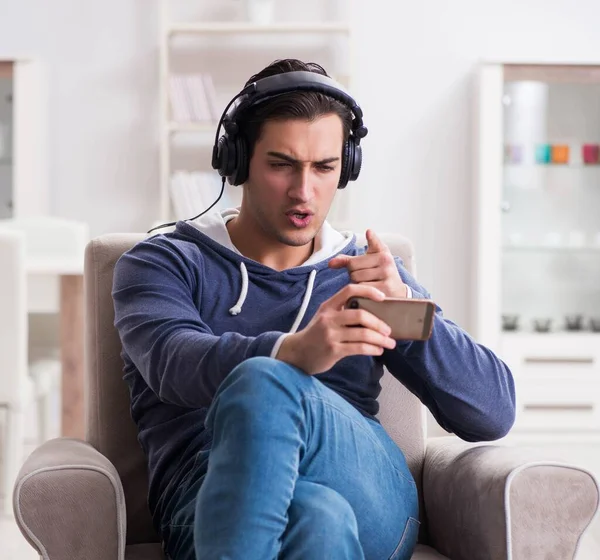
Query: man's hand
x,y
375,268
335,332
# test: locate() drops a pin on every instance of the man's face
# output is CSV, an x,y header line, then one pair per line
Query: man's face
x,y
293,177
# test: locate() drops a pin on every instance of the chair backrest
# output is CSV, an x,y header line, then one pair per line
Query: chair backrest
x,y
400,412
110,428
13,315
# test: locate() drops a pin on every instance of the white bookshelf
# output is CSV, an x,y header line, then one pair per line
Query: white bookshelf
x,y
204,131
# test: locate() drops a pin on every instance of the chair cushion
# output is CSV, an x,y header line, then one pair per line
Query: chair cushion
x,y
151,551
154,552
426,553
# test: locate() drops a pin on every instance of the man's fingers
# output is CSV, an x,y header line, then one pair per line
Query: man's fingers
x,y
367,336
360,349
357,262
340,261
368,275
375,245
361,317
353,290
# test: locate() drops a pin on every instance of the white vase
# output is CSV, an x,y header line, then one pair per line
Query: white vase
x,y
260,12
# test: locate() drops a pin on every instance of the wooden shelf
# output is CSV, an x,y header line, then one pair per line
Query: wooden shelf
x,y
243,27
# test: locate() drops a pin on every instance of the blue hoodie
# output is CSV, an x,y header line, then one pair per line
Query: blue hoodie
x,y
189,308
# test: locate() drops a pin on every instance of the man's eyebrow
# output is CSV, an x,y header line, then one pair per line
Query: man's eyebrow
x,y
290,159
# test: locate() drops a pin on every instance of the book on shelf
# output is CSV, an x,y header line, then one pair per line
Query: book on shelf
x,y
193,192
193,98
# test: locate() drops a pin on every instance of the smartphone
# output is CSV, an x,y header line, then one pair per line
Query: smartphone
x,y
409,319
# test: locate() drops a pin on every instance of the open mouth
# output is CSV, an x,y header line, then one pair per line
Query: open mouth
x,y
299,219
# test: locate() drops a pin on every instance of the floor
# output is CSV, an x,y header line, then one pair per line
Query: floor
x,y
14,547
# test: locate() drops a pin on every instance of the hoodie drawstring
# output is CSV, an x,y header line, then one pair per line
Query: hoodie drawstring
x,y
237,308
305,301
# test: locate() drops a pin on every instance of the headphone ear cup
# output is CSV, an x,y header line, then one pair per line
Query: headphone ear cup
x,y
356,161
224,161
351,163
240,173
347,155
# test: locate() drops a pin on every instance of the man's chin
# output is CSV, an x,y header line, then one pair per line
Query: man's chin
x,y
298,238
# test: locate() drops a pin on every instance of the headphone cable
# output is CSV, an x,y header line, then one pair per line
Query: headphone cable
x,y
223,115
195,217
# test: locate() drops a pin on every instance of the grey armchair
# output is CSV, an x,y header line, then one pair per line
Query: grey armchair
x,y
87,499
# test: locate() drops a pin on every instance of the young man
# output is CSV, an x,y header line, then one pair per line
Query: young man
x,y
254,393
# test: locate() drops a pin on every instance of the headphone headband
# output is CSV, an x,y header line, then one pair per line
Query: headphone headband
x,y
301,80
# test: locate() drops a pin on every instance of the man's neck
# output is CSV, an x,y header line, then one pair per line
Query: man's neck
x,y
256,245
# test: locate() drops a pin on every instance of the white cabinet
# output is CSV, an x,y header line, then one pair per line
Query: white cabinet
x,y
537,238
23,140
558,380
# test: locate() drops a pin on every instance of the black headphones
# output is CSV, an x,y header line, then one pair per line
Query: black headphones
x,y
230,151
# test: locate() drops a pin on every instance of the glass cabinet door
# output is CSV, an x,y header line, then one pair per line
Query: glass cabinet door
x,y
6,126
550,224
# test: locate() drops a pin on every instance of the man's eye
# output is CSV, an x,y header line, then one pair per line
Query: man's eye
x,y
279,164
325,168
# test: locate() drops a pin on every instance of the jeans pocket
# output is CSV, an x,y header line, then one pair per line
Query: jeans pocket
x,y
408,541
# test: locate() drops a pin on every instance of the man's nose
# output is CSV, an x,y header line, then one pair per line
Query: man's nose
x,y
301,189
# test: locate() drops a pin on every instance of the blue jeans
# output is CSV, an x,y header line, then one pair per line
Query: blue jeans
x,y
294,472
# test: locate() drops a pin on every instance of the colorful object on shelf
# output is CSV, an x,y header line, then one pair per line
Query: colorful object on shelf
x,y
560,154
513,153
543,153
517,154
591,153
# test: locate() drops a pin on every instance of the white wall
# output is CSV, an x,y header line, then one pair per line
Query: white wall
x,y
414,64
416,85
100,60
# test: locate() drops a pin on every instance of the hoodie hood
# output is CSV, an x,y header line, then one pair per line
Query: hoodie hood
x,y
328,243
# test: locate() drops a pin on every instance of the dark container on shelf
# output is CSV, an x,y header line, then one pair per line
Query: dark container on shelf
x,y
510,322
574,322
542,325
595,324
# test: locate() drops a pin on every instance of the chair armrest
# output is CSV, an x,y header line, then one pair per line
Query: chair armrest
x,y
69,503
497,502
